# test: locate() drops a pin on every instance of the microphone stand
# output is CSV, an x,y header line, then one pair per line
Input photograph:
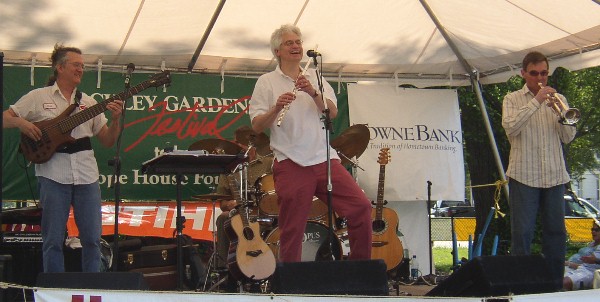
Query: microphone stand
x,y
429,206
327,127
116,163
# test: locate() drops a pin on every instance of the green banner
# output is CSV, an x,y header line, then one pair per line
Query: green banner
x,y
192,108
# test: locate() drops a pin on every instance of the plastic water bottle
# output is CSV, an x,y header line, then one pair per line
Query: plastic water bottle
x,y
414,268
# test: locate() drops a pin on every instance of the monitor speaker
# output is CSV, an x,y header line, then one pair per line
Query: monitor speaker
x,y
358,277
487,276
103,280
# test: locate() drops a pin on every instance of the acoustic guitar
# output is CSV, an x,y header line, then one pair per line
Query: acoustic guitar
x,y
386,244
249,256
56,132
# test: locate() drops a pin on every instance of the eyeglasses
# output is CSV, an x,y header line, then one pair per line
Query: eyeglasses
x,y
291,42
535,73
78,65
595,229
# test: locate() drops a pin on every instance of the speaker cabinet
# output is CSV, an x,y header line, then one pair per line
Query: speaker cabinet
x,y
104,280
359,277
487,276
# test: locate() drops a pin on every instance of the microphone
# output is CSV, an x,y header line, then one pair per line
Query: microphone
x,y
130,69
313,53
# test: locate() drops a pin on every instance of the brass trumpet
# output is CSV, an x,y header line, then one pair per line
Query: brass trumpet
x,y
568,116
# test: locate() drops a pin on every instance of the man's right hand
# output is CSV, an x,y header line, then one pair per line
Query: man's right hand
x,y
29,129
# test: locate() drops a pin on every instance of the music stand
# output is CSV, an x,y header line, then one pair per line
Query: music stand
x,y
179,163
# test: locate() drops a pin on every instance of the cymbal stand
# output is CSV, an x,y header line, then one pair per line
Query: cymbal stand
x,y
243,187
212,263
354,162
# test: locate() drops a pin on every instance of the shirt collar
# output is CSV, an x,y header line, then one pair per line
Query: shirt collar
x,y
56,90
525,90
278,70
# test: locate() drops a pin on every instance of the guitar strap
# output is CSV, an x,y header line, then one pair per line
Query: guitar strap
x,y
77,97
80,144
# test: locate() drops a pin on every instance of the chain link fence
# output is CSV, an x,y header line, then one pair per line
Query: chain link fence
x,y
578,229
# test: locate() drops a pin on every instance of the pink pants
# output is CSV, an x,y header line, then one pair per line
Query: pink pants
x,y
296,185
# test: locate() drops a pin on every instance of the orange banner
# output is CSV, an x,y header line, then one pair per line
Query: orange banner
x,y
155,219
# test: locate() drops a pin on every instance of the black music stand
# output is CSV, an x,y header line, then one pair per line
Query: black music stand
x,y
188,162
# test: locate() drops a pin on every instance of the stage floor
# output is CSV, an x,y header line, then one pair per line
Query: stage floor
x,y
60,295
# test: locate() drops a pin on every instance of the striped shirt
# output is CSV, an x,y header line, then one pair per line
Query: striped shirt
x,y
536,137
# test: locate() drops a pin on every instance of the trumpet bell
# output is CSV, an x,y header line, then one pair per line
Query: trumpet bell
x,y
571,116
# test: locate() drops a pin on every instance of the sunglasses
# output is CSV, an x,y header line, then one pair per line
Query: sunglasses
x,y
535,73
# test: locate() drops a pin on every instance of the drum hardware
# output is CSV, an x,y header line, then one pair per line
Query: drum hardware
x,y
210,197
259,158
352,142
353,162
260,141
216,146
267,199
212,263
314,244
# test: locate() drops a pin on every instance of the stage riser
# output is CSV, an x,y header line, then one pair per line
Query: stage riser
x,y
104,280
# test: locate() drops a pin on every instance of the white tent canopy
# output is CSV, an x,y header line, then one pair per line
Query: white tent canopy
x,y
359,40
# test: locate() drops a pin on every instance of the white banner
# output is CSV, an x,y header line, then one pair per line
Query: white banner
x,y
74,295
422,129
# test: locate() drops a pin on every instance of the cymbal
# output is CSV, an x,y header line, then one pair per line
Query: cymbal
x,y
212,196
216,146
352,142
260,141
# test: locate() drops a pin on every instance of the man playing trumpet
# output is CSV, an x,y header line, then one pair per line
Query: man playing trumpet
x,y
536,169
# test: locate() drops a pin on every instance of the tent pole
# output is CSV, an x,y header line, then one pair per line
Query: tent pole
x,y
475,83
1,141
211,24
490,133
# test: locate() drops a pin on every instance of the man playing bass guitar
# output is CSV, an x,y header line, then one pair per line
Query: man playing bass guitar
x,y
70,176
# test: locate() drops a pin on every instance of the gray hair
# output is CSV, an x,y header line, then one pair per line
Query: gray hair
x,y
59,57
276,36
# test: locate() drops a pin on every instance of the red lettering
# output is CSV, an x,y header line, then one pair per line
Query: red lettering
x,y
188,127
77,298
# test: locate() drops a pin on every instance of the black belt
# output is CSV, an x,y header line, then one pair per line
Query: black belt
x,y
80,144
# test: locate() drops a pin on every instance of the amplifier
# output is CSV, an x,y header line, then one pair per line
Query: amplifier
x,y
22,237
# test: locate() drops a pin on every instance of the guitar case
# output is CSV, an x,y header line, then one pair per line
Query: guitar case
x,y
148,256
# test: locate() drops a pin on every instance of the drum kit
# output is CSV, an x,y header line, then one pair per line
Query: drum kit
x,y
262,202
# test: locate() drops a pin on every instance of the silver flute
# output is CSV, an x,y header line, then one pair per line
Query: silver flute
x,y
287,106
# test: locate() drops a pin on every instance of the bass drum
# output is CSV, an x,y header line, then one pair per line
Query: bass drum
x,y
314,245
267,199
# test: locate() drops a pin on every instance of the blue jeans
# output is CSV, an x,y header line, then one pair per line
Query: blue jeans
x,y
525,202
56,200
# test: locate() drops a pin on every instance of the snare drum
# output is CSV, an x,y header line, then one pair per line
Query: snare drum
x,y
315,238
268,204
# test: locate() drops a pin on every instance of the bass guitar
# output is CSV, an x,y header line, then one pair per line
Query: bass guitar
x,y
249,256
386,244
56,132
